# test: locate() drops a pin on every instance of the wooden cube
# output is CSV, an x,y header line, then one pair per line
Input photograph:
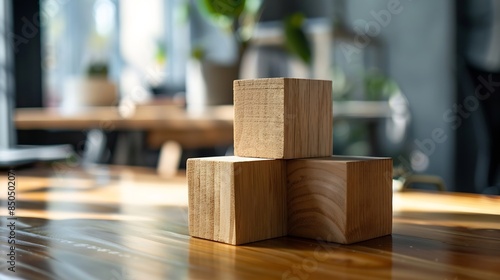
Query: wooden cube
x,y
282,118
236,200
340,199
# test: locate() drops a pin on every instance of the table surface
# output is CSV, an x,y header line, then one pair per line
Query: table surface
x,y
167,116
142,117
192,129
212,127
128,223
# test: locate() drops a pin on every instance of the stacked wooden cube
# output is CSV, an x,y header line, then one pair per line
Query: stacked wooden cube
x,y
283,179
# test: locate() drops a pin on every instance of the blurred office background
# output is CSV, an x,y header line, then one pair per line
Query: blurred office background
x,y
398,66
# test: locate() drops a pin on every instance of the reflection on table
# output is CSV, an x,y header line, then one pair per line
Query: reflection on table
x,y
127,223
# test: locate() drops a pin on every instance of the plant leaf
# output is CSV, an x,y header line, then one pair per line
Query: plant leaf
x,y
296,39
228,8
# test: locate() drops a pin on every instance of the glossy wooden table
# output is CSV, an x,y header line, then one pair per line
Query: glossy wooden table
x,y
122,223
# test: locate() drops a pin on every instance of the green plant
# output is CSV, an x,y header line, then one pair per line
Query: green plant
x,y
240,18
378,86
160,52
295,38
98,69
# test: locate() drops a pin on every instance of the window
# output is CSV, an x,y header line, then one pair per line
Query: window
x,y
141,44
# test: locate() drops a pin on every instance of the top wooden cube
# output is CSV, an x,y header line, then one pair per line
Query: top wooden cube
x,y
282,118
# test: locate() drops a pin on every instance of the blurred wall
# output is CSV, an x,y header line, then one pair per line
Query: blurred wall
x,y
420,39
419,42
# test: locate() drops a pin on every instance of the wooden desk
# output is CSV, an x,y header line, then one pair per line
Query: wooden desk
x,y
213,127
123,223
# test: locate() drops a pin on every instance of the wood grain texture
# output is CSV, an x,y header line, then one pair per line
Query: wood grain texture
x,y
236,200
110,222
282,118
340,199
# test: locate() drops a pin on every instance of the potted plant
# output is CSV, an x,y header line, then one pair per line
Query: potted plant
x,y
94,89
210,83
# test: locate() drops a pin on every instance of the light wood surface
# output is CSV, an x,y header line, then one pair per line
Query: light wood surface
x,y
129,223
340,199
282,118
236,200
